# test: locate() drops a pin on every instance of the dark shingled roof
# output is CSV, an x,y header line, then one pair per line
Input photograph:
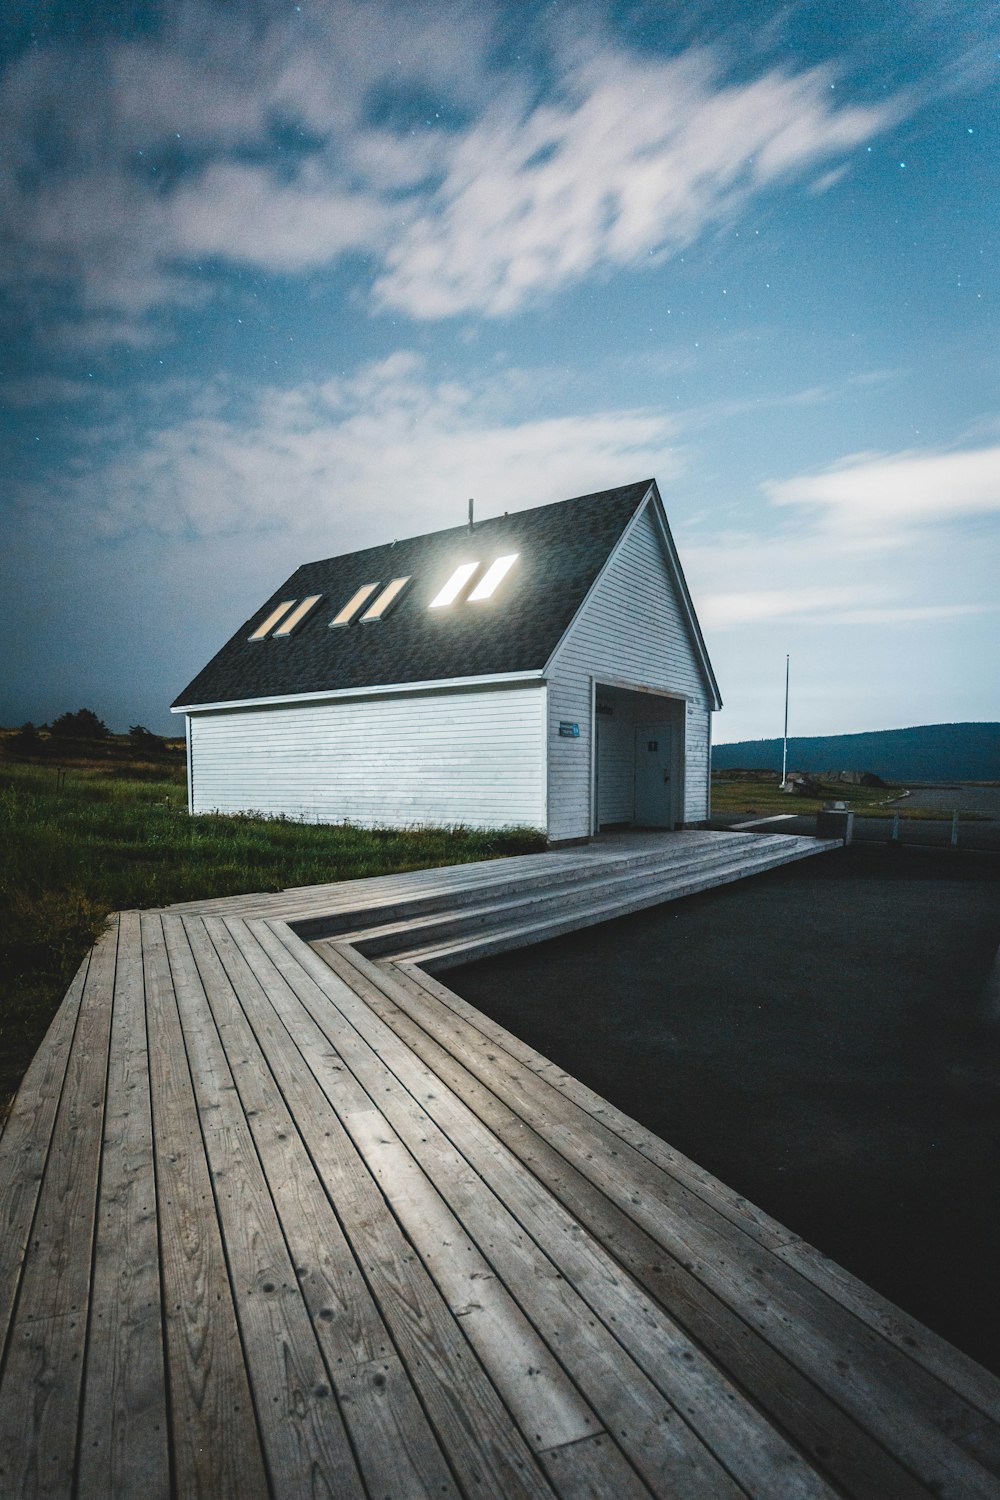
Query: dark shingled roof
x,y
562,549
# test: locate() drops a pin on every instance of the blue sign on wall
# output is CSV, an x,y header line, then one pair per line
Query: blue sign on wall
x,y
569,731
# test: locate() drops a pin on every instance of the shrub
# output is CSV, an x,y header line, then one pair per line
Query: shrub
x,y
141,738
27,740
83,725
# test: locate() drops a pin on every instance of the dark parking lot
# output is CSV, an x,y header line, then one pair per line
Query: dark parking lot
x,y
818,1037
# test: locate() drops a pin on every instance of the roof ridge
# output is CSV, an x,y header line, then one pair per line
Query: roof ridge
x,y
615,492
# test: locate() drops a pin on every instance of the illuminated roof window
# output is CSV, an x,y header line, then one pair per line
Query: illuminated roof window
x,y
456,583
353,605
493,575
297,615
272,620
385,601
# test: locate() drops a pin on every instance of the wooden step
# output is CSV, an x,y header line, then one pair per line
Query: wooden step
x,y
500,939
373,891
501,879
424,928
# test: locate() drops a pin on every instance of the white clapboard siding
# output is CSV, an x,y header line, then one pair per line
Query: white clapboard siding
x,y
476,758
632,629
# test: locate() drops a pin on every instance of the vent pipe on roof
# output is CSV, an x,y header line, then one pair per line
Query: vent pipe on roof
x,y
471,504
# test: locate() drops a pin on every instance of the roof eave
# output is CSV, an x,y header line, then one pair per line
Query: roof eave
x,y
369,690
694,627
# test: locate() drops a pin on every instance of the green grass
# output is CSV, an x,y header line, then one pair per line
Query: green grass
x,y
759,793
108,832
764,795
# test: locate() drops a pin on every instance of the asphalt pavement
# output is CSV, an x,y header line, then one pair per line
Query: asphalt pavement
x,y
941,796
820,1038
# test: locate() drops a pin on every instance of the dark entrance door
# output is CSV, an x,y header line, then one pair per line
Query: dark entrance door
x,y
654,791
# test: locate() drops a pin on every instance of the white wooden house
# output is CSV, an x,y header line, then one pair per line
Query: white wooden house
x,y
542,668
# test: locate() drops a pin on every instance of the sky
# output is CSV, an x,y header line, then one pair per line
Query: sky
x,y
280,281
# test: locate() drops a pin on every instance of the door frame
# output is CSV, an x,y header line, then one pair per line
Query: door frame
x,y
604,680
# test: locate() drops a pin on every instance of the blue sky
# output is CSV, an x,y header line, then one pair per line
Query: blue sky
x,y
283,280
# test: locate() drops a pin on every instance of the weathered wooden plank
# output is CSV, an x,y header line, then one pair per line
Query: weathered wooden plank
x,y
372,892
926,1348
518,1359
304,1440
396,1448
546,1404
487,1452
25,1143
984,1444
828,1436
593,1469
40,1394
123,1444
589,1339
215,1444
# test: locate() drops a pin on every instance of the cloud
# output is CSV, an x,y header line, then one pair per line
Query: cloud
x,y
337,465
872,497
824,606
240,214
634,160
815,555
723,611
915,614
285,143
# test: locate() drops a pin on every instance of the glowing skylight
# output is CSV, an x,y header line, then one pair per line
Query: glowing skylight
x,y
494,573
272,620
456,583
354,603
385,600
297,615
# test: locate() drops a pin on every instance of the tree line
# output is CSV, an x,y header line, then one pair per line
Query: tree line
x,y
84,724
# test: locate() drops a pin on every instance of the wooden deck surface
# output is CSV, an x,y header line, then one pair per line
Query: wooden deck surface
x,y
278,1219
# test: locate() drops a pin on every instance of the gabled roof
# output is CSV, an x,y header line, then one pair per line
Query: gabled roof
x,y
562,549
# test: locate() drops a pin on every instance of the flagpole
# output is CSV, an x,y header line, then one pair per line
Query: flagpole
x,y
784,748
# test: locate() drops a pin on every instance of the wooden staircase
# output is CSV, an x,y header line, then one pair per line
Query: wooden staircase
x,y
440,929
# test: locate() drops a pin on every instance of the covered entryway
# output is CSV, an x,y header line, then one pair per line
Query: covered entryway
x,y
638,759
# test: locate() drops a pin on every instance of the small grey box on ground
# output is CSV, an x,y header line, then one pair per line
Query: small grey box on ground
x,y
835,823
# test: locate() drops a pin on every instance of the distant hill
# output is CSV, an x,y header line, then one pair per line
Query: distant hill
x,y
926,752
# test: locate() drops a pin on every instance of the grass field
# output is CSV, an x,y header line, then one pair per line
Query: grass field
x,y
759,793
102,830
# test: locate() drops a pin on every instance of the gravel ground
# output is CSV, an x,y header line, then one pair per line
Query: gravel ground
x,y
817,1037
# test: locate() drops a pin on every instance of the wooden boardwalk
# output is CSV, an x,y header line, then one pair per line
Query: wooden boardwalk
x,y
281,1219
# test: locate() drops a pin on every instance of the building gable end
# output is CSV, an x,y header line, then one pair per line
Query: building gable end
x,y
615,591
